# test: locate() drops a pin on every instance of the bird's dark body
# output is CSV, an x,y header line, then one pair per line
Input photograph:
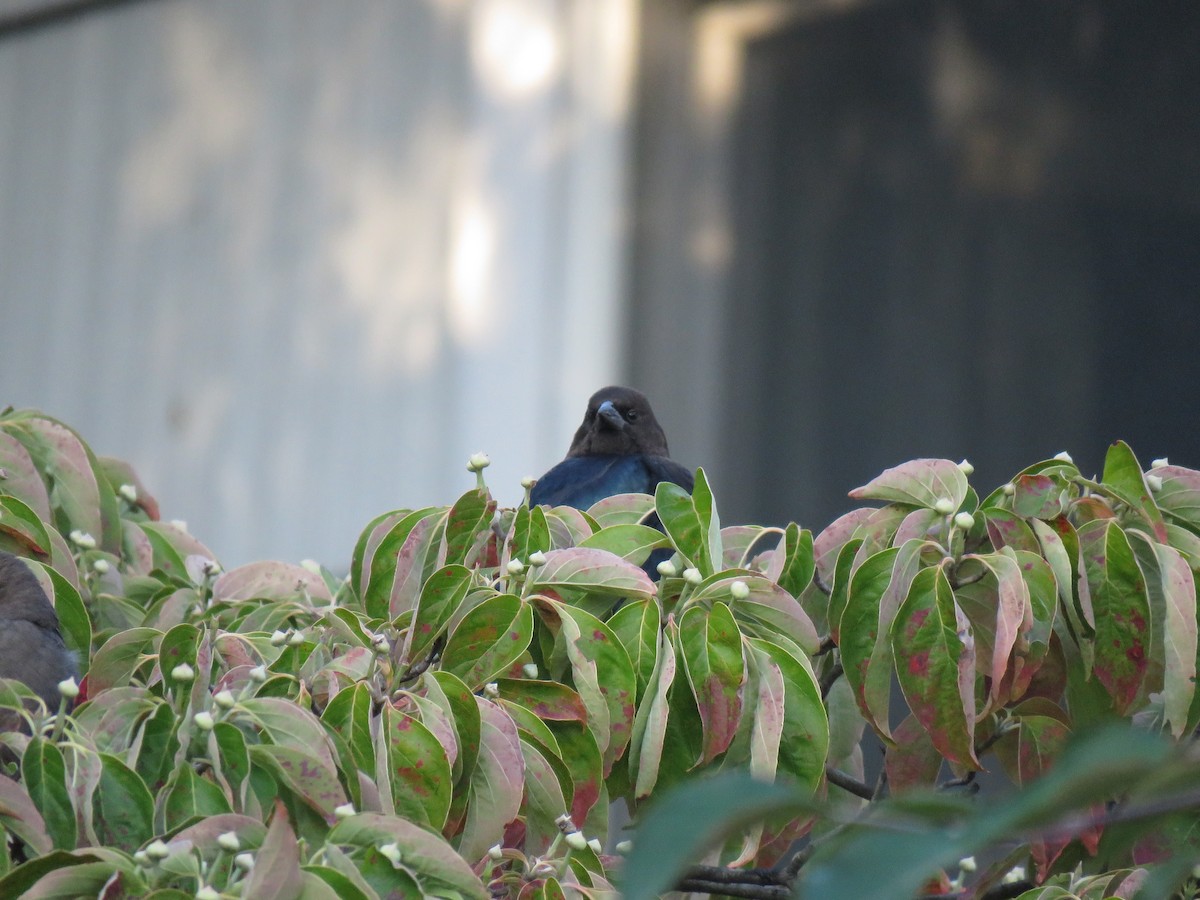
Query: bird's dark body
x,y
581,481
31,646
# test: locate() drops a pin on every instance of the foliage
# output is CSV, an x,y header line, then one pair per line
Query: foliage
x,y
456,717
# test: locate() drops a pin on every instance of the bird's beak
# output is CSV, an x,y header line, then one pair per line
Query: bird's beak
x,y
611,417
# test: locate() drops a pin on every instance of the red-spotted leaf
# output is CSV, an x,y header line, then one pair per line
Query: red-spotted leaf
x,y
919,482
711,647
21,477
1007,529
913,762
440,599
1179,496
1007,616
766,608
548,700
489,639
496,784
410,759
804,742
1039,495
270,581
466,527
633,543
637,627
935,662
1037,737
595,571
313,778
1122,608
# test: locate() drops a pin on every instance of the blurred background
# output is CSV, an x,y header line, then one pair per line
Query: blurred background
x,y
297,260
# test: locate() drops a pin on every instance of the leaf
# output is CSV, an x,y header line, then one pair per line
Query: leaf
x,y
677,830
1122,609
439,871
919,482
73,617
621,509
1039,496
20,817
935,662
1123,477
633,543
417,768
596,571
1038,733
636,626
690,522
21,523
390,556
1179,496
489,639
804,743
441,597
126,809
711,647
828,544
766,608
1007,617
544,801
21,477
44,774
912,762
271,581
466,524
548,700
1179,637
276,874
497,783
650,722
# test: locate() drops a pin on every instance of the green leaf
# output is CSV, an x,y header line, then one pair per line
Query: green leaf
x,y
919,482
20,816
126,809
840,577
633,543
766,609
592,570
636,626
466,526
1179,633
544,801
21,477
691,523
414,763
799,561
349,714
1123,477
72,614
804,743
711,647
388,556
548,700
489,639
308,775
1040,495
621,509
650,722
1122,609
935,661
681,826
457,701
187,796
441,597
45,776
1179,496
20,522
497,783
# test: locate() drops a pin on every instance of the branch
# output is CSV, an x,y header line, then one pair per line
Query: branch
x,y
827,680
849,783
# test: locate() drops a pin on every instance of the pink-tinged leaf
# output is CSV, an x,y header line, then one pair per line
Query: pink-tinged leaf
x,y
1028,750
368,542
548,700
422,551
621,509
467,524
1179,637
581,755
440,599
568,526
1006,529
288,725
828,544
935,662
918,525
426,857
1123,479
633,543
767,604
20,817
544,800
497,782
636,625
311,777
1010,614
417,769
770,708
600,671
1038,496
875,594
271,581
172,545
1179,496
136,549
878,532
912,762
711,646
1122,608
650,725
804,743
276,874
489,639
21,524
20,476
919,482
848,561
595,571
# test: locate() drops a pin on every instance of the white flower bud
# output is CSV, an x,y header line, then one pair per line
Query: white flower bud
x,y
537,558
259,674
181,524
667,569
207,893
129,492
141,858
576,840
944,506
380,643
1159,463
515,567
495,853
83,540
528,482
530,670
68,688
1013,875
101,566
968,864
183,672
1065,457
295,639
204,721
228,840
225,699
740,590
1155,482
278,638
478,462
157,850
692,576
1009,489
596,846
624,847
311,565
345,811
244,861
965,467
964,520
391,851
491,690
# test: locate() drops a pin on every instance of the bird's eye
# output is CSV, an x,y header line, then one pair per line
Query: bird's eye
x,y
631,415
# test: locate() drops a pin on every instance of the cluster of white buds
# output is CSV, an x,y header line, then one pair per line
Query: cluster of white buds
x,y
379,643
225,699
1013,875
515,566
491,690
391,852
228,841
965,467
259,674
528,482
530,670
1159,463
1062,456
964,520
1155,482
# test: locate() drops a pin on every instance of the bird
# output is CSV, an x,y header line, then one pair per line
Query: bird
x,y
619,448
32,649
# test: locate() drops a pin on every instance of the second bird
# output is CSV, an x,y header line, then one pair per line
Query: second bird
x,y
619,449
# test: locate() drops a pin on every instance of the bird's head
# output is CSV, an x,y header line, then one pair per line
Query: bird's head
x,y
618,422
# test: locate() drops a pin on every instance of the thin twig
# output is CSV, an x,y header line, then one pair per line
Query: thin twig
x,y
835,672
849,783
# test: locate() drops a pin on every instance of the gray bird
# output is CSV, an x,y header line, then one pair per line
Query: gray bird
x,y
31,645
